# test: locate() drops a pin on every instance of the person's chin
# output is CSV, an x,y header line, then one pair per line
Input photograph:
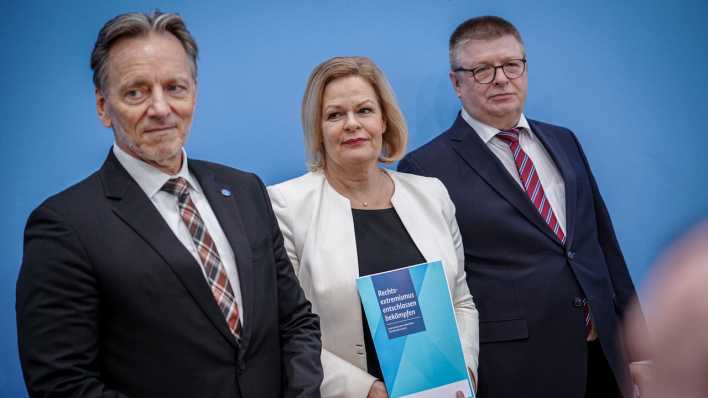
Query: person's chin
x,y
163,153
504,108
359,160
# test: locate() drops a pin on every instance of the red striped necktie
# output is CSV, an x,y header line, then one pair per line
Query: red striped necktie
x,y
534,190
210,259
531,182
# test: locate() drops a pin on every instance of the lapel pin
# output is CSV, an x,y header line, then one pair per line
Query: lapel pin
x,y
225,192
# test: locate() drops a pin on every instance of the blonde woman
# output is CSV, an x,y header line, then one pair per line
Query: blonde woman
x,y
349,216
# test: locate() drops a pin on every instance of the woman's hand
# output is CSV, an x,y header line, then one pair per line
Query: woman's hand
x,y
378,390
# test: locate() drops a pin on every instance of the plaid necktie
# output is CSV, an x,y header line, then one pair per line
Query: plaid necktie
x,y
209,256
534,190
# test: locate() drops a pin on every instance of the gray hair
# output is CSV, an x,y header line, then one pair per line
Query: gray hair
x,y
136,24
487,27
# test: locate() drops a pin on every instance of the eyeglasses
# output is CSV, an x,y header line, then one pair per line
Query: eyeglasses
x,y
485,74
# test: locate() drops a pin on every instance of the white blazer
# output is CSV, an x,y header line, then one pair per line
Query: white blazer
x,y
318,229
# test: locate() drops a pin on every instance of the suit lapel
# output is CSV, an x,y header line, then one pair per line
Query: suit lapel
x,y
330,250
418,227
550,142
132,205
466,142
336,239
222,199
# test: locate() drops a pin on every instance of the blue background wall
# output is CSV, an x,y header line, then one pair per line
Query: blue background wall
x,y
628,77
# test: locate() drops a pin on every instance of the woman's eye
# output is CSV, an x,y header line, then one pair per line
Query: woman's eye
x,y
366,110
333,115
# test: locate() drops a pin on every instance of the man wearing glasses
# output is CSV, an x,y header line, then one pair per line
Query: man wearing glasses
x,y
541,255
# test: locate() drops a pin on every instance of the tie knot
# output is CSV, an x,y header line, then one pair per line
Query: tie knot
x,y
509,136
176,186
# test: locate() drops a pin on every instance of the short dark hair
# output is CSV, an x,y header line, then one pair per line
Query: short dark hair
x,y
136,24
487,27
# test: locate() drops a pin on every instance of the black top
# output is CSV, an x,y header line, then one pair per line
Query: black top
x,y
382,244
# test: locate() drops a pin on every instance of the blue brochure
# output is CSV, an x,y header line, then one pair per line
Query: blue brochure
x,y
412,323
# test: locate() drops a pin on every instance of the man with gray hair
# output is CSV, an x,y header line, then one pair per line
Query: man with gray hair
x,y
541,256
158,275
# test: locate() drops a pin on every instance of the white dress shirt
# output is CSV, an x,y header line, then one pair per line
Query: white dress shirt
x,y
150,179
549,175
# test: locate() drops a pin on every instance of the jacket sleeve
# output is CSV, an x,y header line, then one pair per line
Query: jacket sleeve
x,y
409,165
299,326
280,208
625,293
621,280
341,378
57,307
465,308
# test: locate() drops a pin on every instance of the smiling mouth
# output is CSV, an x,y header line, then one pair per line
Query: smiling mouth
x,y
158,129
354,141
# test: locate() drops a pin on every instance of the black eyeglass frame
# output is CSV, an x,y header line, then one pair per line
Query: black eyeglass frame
x,y
494,75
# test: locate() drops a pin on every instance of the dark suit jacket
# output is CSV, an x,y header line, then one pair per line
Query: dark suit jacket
x,y
528,287
111,304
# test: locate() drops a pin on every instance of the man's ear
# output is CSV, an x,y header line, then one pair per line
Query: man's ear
x,y
455,83
101,109
196,93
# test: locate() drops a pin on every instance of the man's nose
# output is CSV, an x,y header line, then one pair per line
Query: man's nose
x,y
159,107
499,76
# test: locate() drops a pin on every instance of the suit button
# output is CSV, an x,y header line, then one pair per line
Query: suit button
x,y
578,302
570,254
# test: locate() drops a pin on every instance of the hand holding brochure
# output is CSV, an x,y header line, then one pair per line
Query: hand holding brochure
x,y
412,323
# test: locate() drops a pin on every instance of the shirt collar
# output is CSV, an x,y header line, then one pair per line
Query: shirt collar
x,y
150,178
487,132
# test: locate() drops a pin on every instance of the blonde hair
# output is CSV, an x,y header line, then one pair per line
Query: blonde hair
x,y
395,137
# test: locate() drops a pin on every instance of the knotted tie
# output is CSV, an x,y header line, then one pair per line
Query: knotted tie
x,y
210,260
534,190
530,181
